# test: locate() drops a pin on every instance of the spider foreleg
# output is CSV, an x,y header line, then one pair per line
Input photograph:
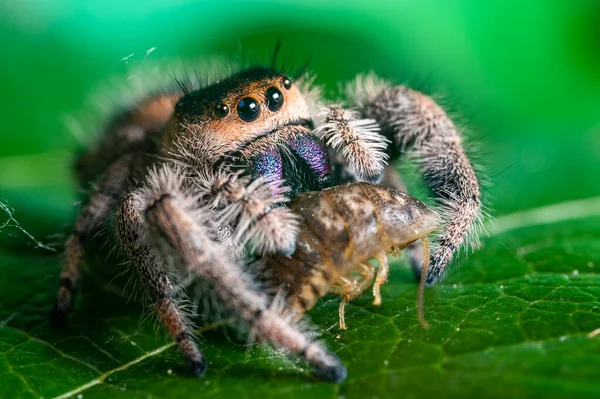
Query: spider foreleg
x,y
359,141
165,296
413,120
190,243
257,208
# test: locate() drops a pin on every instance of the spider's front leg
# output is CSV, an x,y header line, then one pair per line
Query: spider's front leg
x,y
165,296
362,146
255,207
185,234
412,119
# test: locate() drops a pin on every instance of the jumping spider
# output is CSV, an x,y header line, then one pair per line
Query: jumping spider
x,y
198,179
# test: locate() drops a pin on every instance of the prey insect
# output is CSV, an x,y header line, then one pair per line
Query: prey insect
x,y
342,229
197,178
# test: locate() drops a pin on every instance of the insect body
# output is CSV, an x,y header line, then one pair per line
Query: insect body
x,y
342,229
197,178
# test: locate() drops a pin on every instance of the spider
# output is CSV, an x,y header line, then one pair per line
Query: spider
x,y
197,179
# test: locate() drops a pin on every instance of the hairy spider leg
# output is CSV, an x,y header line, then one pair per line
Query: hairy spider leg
x,y
180,236
361,145
410,118
164,295
90,217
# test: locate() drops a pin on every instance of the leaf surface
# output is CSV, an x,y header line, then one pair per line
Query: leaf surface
x,y
518,318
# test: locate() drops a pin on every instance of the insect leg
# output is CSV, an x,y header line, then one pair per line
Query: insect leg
x,y
341,287
350,287
162,292
425,268
342,313
367,272
382,276
90,217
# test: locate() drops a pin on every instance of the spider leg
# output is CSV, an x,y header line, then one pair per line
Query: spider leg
x,y
180,230
161,290
361,144
256,206
90,217
410,118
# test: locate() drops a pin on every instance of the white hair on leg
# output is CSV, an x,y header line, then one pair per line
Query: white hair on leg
x,y
257,210
359,139
189,242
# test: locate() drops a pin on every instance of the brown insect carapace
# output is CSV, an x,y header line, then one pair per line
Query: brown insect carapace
x,y
341,230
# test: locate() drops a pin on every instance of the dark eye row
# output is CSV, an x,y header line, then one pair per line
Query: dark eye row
x,y
248,108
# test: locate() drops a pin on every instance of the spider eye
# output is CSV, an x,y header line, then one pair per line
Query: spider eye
x,y
222,110
274,99
248,109
287,83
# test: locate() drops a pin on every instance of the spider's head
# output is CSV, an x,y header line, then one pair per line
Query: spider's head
x,y
257,119
238,110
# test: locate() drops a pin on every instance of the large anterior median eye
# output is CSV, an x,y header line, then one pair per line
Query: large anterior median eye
x,y
274,99
248,109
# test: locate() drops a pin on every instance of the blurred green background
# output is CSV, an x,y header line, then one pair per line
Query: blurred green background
x,y
522,76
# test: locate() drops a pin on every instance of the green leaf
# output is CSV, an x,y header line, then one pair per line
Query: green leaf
x,y
519,318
